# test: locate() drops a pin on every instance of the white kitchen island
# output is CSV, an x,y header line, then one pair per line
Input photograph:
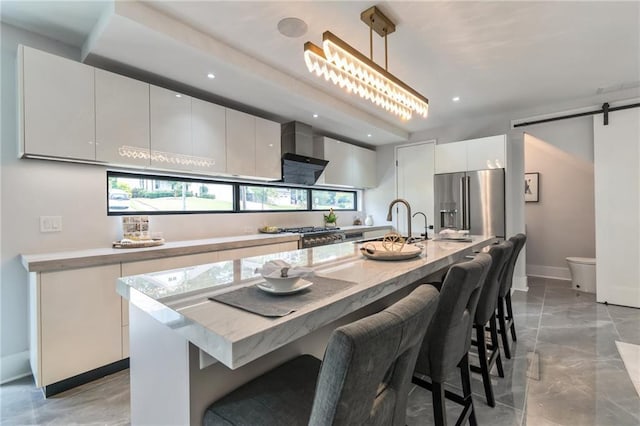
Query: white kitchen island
x,y
187,351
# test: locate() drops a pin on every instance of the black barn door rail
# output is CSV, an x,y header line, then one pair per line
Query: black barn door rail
x,y
606,109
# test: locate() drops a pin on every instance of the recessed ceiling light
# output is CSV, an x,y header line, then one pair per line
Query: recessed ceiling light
x,y
178,95
211,75
369,135
315,115
455,98
292,27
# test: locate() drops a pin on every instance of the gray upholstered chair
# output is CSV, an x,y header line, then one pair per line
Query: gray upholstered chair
x,y
486,313
505,319
364,378
448,339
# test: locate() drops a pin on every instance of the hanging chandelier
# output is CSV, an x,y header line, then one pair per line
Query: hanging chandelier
x,y
349,69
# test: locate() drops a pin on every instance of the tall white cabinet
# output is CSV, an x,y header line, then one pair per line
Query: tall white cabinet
x,y
414,180
57,106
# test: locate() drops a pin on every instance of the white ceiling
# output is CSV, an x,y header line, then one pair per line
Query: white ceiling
x,y
499,57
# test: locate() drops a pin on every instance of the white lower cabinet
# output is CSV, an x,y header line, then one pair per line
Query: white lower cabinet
x,y
79,322
256,251
167,263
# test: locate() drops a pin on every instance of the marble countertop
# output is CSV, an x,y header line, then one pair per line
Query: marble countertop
x,y
59,261
179,298
105,256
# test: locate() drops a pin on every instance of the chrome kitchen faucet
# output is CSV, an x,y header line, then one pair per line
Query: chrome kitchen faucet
x,y
406,203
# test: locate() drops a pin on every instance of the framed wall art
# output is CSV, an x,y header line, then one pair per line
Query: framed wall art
x,y
532,187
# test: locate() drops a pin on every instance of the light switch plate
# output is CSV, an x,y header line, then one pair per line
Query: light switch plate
x,y
50,223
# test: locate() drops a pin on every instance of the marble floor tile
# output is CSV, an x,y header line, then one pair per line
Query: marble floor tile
x,y
623,312
565,371
104,402
628,330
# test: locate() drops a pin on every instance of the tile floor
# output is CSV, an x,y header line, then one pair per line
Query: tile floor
x,y
565,370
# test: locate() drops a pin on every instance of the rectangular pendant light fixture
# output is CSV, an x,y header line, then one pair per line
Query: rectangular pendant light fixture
x,y
346,67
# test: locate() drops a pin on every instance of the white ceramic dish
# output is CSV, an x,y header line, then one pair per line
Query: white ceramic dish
x,y
282,283
376,251
299,286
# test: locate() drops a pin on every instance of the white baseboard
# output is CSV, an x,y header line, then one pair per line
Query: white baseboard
x,y
553,272
519,284
14,366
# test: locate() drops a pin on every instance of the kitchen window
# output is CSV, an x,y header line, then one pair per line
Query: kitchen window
x,y
337,200
274,198
133,194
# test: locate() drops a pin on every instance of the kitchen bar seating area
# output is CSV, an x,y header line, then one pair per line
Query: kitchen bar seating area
x,y
510,393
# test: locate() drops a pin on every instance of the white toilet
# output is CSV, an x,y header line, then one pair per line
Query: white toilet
x,y
583,273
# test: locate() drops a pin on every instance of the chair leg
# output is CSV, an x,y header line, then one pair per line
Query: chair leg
x,y
495,346
466,389
484,367
439,411
503,328
507,299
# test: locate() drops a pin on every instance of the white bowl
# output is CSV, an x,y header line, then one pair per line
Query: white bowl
x,y
282,284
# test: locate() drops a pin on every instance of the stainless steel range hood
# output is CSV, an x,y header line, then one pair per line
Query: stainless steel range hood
x,y
298,165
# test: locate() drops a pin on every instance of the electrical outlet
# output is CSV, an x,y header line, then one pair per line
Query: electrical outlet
x,y
50,223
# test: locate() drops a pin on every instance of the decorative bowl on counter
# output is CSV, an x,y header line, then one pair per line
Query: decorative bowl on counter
x,y
378,250
281,276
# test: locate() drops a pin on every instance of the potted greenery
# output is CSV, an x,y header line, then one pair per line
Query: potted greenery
x,y
330,219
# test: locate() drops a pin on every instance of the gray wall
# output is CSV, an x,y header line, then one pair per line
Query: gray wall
x,y
562,223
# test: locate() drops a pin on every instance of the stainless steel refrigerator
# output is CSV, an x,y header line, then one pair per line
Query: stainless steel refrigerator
x,y
471,200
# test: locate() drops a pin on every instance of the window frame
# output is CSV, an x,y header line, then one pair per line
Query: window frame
x,y
235,194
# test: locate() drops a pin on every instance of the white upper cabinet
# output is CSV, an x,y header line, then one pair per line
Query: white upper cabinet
x,y
170,125
268,152
349,165
122,119
208,132
364,167
486,153
57,104
338,154
472,154
241,143
71,111
253,146
451,157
